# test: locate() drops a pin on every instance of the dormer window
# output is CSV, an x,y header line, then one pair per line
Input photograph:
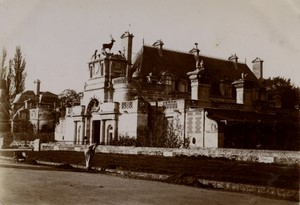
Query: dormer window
x,y
225,88
151,78
168,80
23,116
183,86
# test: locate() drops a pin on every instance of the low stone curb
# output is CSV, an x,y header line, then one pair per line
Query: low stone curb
x,y
287,194
49,163
257,156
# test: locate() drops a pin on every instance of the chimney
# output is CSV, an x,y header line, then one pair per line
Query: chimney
x,y
127,48
159,44
233,58
26,104
258,68
38,84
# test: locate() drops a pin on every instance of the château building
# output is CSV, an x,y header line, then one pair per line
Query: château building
x,y
216,102
34,112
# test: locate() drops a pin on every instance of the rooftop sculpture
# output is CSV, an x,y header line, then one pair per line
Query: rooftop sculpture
x,y
107,46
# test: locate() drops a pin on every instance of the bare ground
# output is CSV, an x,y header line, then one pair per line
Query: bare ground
x,y
183,170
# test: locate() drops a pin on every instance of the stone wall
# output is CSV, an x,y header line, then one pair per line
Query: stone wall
x,y
261,156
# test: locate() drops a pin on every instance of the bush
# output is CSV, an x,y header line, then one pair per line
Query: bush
x,y
163,133
7,138
124,141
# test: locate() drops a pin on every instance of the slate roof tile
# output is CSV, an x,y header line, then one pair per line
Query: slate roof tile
x,y
179,63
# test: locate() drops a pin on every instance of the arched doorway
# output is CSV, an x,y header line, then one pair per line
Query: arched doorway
x,y
92,126
110,134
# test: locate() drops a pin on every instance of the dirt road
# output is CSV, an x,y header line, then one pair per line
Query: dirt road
x,y
28,184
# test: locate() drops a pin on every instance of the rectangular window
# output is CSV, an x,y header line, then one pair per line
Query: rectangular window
x,y
23,116
183,86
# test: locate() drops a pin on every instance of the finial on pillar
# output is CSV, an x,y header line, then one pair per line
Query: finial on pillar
x,y
196,52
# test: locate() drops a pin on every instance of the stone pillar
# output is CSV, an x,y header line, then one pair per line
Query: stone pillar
x,y
83,131
1,142
105,135
91,131
102,132
115,130
36,145
75,132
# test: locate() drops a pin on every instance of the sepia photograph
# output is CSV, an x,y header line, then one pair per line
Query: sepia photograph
x,y
180,102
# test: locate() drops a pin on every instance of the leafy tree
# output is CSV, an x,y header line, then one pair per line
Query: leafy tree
x,y
3,66
18,65
164,133
290,94
69,98
14,73
9,82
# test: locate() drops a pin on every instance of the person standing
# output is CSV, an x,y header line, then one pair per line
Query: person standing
x,y
89,154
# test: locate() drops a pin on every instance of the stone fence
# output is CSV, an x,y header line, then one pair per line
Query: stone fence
x,y
261,156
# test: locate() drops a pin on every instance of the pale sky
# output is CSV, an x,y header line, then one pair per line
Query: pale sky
x,y
58,37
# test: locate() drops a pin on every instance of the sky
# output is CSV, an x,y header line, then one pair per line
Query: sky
x,y
58,37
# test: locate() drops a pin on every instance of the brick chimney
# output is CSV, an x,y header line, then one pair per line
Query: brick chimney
x,y
26,104
38,86
127,48
258,68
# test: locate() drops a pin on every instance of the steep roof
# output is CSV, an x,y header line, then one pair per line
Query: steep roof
x,y
21,97
45,97
48,97
150,60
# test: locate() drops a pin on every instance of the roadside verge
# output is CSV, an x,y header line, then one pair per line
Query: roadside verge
x,y
286,194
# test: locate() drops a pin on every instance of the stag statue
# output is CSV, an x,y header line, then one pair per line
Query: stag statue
x,y
108,45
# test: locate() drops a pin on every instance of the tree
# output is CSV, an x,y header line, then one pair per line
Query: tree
x,y
18,65
14,73
69,98
7,74
164,133
9,82
290,94
3,66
